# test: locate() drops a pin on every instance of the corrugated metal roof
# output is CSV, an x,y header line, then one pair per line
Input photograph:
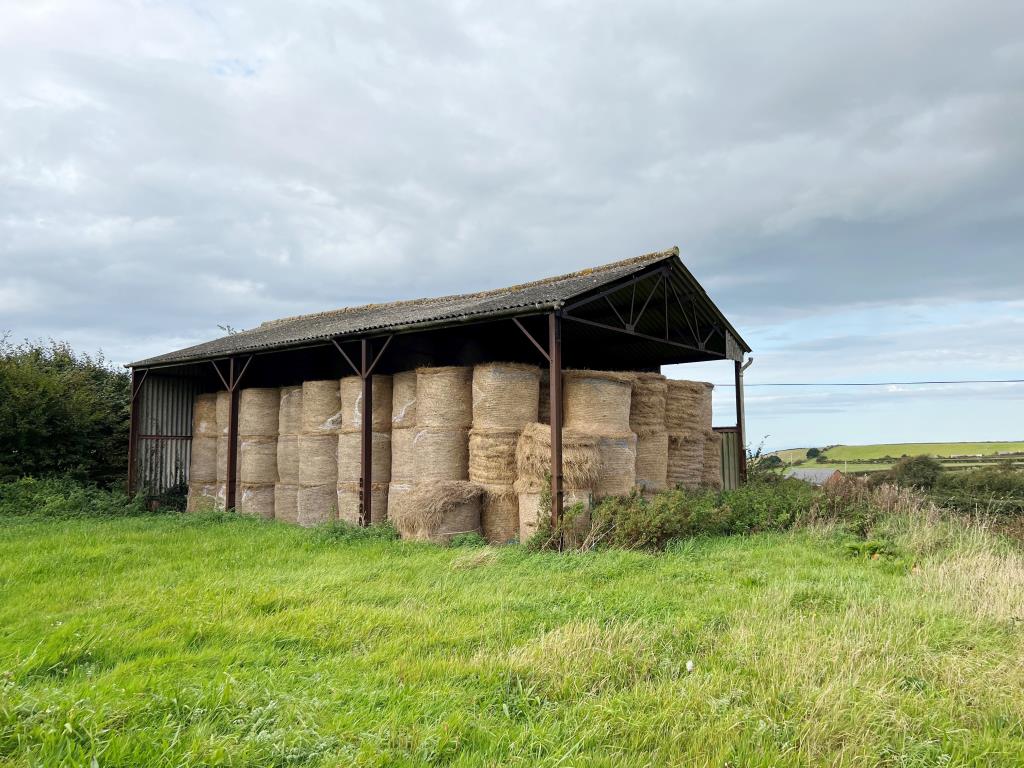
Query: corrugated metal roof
x,y
424,313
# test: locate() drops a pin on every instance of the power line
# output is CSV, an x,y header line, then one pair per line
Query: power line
x,y
873,383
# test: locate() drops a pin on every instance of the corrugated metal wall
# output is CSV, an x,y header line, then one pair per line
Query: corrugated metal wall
x,y
730,458
165,432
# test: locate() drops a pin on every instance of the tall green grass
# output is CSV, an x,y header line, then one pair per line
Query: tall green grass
x,y
215,640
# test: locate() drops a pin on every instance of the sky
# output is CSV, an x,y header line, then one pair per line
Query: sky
x,y
845,179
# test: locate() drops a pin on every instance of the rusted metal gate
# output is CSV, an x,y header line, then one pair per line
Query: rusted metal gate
x,y
164,433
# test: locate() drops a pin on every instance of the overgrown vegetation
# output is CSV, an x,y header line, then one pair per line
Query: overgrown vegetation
x,y
62,497
62,413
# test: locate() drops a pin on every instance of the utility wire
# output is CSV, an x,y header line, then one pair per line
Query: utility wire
x,y
873,383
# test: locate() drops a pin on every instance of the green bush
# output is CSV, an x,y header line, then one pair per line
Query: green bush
x,y
916,472
62,413
813,453
998,489
64,498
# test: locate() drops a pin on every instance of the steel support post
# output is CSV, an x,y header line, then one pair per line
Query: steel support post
x,y
366,437
555,383
741,438
232,467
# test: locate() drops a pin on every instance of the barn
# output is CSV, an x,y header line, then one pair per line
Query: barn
x,y
620,322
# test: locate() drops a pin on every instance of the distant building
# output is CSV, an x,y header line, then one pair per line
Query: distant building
x,y
819,477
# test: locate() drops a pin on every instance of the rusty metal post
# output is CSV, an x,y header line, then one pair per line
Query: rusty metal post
x,y
133,432
366,437
740,436
232,436
555,383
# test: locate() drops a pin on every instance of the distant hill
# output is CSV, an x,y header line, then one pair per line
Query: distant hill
x,y
867,458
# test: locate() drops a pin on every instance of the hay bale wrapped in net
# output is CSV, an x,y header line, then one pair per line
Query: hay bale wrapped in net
x,y
492,456
352,403
402,468
685,459
499,513
318,460
203,497
349,499
647,404
437,511
444,397
258,411
256,500
223,411
652,462
222,460
289,411
597,402
712,475
530,512
440,454
321,407
257,460
403,400
204,416
617,475
286,502
350,448
288,459
581,460
505,395
399,495
544,401
688,405
203,463
317,504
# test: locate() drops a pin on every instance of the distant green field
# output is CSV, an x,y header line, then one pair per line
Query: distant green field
x,y
853,453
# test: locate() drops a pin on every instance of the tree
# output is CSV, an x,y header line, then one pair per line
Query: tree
x,y
62,413
813,453
917,471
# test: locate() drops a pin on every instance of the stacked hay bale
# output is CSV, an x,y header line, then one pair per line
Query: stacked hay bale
x,y
289,425
443,502
403,430
258,409
350,441
318,452
223,423
688,421
203,489
505,400
597,403
581,465
712,476
647,420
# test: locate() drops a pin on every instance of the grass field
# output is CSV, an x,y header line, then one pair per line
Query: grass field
x,y
222,641
854,453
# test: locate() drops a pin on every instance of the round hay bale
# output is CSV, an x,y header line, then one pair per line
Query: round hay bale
x,y
685,459
349,500
444,397
647,404
617,476
505,395
499,513
223,411
530,511
222,461
544,400
403,400
402,468
203,463
286,502
318,460
597,402
350,447
399,495
257,459
289,416
492,456
204,416
440,454
352,403
256,500
258,410
437,511
321,407
288,459
203,497
712,474
652,462
581,461
316,504
688,405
